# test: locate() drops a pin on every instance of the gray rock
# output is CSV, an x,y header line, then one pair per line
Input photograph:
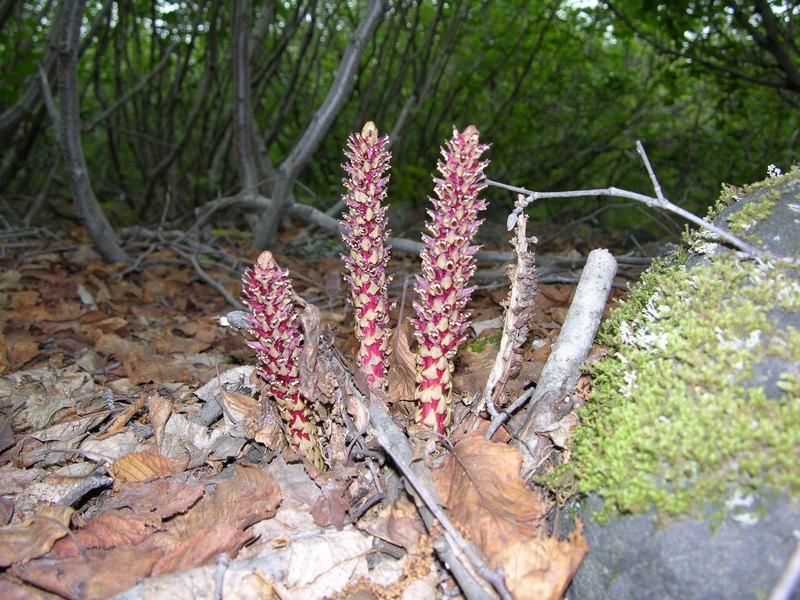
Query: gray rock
x,y
740,557
742,545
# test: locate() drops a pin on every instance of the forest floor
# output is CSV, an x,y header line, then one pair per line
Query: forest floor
x,y
108,478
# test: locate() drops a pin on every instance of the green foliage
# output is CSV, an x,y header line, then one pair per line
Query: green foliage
x,y
562,94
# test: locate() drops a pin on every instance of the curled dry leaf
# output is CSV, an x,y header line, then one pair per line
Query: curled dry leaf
x,y
332,507
489,502
541,569
398,524
402,365
35,535
312,380
159,408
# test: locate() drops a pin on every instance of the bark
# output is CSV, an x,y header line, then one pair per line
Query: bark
x,y
100,231
304,150
553,398
243,121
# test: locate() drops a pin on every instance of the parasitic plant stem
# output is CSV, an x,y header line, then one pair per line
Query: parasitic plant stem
x,y
447,265
277,340
365,234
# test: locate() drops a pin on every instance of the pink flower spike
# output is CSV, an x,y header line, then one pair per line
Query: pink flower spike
x,y
278,339
365,234
447,265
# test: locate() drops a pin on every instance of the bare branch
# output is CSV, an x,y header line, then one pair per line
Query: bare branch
x,y
658,202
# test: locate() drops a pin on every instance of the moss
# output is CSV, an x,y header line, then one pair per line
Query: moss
x,y
743,220
478,345
671,423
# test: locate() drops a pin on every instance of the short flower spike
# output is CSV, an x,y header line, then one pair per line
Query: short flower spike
x,y
278,338
365,234
447,265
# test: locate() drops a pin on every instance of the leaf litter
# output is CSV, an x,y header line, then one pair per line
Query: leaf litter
x,y
136,456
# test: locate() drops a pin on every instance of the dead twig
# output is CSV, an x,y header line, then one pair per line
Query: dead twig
x,y
517,319
659,201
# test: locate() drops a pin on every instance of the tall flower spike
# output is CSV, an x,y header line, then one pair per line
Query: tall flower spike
x,y
447,265
365,234
277,341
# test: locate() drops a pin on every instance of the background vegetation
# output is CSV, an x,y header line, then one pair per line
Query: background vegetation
x,y
560,89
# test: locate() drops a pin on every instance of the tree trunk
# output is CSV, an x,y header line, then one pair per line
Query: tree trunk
x,y
303,151
101,233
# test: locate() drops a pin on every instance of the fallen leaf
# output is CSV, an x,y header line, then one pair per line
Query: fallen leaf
x,y
474,369
159,408
398,524
486,496
5,365
203,547
332,507
20,349
167,343
140,466
402,374
156,368
489,502
135,514
249,496
541,569
107,572
11,590
161,498
35,535
108,530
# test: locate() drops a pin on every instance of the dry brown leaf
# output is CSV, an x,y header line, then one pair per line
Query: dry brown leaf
x,y
332,506
238,407
135,514
489,502
398,524
474,369
6,509
111,343
140,466
20,349
541,569
203,547
159,408
108,572
486,496
249,496
11,590
4,363
167,343
161,498
402,374
156,368
108,530
35,535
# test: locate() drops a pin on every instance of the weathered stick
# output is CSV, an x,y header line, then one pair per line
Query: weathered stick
x,y
553,399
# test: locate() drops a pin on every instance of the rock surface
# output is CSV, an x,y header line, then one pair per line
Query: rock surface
x,y
742,545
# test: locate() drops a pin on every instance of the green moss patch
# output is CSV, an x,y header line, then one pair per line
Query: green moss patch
x,y
672,422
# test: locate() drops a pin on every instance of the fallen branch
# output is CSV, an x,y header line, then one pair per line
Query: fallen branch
x,y
463,559
553,398
397,446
